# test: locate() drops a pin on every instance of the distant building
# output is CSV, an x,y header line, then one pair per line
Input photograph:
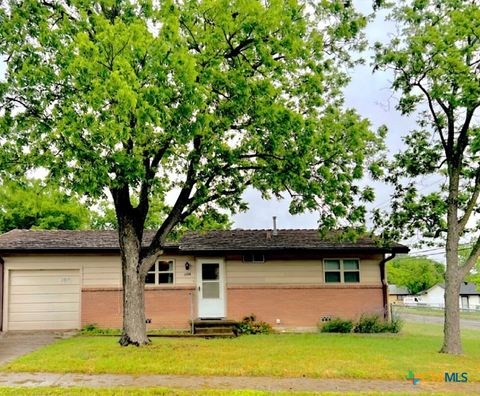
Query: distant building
x,y
396,294
469,296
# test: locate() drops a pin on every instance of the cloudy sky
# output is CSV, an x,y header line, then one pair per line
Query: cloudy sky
x,y
371,96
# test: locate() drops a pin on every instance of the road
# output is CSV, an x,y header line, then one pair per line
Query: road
x,y
464,323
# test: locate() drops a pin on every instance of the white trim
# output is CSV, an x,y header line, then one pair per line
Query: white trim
x,y
223,280
173,272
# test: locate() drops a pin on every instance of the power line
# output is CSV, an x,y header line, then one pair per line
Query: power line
x,y
435,254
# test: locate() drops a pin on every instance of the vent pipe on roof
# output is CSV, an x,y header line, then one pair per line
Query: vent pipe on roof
x,y
275,232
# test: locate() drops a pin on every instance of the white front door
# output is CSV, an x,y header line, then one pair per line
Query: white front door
x,y
211,288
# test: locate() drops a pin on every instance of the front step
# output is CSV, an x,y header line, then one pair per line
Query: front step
x,y
215,327
213,330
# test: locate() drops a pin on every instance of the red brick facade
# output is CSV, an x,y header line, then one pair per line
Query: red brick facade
x,y
295,306
167,308
303,306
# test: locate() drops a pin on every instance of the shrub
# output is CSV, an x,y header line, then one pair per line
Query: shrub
x,y
250,325
337,325
396,325
373,324
92,329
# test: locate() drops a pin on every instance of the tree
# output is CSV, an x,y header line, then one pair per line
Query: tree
x,y
474,276
196,99
415,273
30,204
104,218
435,60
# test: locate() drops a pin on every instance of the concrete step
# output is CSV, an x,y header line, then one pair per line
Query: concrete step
x,y
214,330
214,323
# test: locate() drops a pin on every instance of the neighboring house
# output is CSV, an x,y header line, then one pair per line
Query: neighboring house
x,y
396,294
469,296
289,278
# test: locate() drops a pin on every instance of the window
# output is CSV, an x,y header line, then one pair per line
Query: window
x,y
161,273
342,270
253,258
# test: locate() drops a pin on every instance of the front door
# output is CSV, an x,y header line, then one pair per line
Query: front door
x,y
211,288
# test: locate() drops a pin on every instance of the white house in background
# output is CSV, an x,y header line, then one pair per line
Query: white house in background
x,y
397,294
469,296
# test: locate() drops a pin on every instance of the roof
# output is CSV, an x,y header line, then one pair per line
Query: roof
x,y
397,290
466,288
208,241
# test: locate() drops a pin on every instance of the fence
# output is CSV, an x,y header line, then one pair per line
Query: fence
x,y
472,312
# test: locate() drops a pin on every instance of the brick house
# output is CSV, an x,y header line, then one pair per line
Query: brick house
x,y
289,278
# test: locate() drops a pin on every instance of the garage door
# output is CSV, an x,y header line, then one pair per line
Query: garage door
x,y
44,300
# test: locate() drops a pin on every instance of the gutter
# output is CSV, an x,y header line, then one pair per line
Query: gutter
x,y
383,277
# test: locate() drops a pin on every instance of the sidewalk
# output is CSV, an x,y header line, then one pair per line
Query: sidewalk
x,y
226,383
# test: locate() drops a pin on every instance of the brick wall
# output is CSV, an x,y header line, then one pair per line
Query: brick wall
x,y
303,306
295,306
167,308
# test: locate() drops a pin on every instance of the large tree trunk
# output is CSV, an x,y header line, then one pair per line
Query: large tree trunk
x,y
134,326
452,342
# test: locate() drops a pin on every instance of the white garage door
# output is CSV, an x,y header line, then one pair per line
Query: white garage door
x,y
44,300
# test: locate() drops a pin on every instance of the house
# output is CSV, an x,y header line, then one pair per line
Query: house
x,y
469,296
396,294
289,278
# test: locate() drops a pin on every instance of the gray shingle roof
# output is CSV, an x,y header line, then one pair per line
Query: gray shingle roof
x,y
397,290
62,240
218,240
469,288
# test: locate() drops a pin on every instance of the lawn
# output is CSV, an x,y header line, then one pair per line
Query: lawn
x,y
379,356
176,392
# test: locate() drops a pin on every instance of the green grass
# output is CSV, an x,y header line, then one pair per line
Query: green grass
x,y
138,391
377,356
44,391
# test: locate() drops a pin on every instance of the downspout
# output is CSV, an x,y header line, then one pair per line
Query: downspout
x,y
2,262
383,277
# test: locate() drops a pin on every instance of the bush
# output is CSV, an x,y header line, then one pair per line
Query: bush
x,y
373,324
250,325
396,325
337,325
92,329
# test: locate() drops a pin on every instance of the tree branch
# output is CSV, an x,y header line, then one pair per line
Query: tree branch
x,y
435,117
472,259
174,216
471,204
150,169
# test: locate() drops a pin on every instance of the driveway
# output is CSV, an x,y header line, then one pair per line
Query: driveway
x,y
18,343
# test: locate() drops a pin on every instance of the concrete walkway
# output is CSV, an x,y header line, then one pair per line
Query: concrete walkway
x,y
18,343
227,383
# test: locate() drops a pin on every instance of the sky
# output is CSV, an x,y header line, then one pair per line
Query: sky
x,y
371,96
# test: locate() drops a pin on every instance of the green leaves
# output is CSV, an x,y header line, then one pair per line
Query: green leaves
x,y
204,98
435,64
415,273
29,204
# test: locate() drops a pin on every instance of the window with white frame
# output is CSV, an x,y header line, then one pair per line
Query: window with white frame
x,y
342,270
162,273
